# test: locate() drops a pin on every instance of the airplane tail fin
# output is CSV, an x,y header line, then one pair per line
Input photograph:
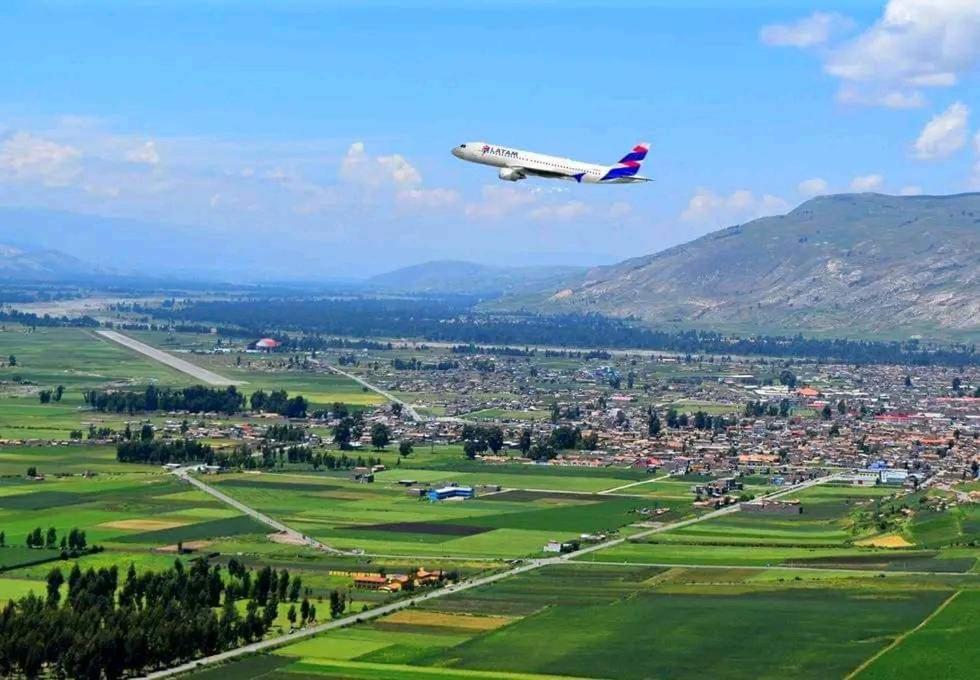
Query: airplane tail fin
x,y
629,164
636,156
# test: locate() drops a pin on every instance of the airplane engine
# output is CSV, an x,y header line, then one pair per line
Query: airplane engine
x,y
510,174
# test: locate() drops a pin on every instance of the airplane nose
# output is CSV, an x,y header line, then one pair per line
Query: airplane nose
x,y
456,152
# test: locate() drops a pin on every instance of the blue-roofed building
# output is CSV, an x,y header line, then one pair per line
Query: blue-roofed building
x,y
448,492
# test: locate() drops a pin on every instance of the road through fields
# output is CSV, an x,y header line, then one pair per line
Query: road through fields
x,y
528,565
182,365
412,413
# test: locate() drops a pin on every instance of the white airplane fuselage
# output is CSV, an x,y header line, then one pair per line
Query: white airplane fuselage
x,y
517,164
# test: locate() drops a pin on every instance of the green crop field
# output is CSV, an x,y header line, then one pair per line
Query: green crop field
x,y
600,621
383,518
943,648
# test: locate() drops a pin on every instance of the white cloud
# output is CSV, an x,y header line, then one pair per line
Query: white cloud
x,y
944,135
145,153
500,200
27,157
911,190
708,207
427,198
863,183
812,187
816,29
560,212
889,99
360,168
400,170
916,44
620,210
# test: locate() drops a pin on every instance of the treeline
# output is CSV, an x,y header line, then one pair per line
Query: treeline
x,y
72,543
104,629
453,320
46,320
414,364
279,401
285,433
163,452
313,343
194,399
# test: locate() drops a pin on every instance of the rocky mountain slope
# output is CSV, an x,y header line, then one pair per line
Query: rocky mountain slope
x,y
851,263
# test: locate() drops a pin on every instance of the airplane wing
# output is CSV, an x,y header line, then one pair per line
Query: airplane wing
x,y
547,173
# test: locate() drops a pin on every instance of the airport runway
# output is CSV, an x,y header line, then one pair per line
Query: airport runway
x,y
170,360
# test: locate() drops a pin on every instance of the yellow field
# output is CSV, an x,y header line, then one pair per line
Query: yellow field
x,y
444,620
888,541
143,524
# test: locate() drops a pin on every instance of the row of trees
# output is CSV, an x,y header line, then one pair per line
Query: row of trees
x,y
414,364
163,452
74,541
194,399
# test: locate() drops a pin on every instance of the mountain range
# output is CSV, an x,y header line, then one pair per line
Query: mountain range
x,y
847,264
41,265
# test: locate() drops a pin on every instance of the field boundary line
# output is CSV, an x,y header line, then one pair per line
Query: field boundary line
x,y
901,638
632,484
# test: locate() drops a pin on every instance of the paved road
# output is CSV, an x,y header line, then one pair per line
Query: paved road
x,y
170,360
412,413
525,566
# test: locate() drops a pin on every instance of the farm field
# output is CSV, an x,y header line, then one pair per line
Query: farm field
x,y
945,647
383,518
832,532
598,618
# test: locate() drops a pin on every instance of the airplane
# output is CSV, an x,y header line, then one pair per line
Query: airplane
x,y
516,164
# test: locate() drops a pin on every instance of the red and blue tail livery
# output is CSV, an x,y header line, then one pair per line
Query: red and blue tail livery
x,y
637,155
628,165
515,164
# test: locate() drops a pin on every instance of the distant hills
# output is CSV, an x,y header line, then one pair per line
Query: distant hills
x,y
470,278
17,264
848,264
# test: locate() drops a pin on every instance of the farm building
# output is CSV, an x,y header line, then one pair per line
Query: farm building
x,y
450,492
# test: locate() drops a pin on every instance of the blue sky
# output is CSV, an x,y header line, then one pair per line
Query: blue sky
x,y
327,126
